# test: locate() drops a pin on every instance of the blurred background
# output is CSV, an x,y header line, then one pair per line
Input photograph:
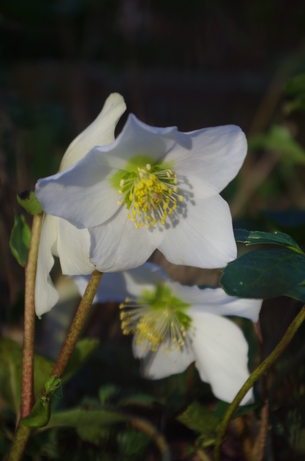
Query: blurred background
x,y
192,64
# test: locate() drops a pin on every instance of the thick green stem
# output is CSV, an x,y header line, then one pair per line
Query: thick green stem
x,y
77,325
267,363
27,395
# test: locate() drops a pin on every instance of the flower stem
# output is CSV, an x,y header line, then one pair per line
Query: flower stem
x,y
23,433
27,393
267,363
77,325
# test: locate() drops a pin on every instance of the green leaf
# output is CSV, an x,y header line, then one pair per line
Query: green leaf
x,y
20,239
80,417
42,371
10,373
222,407
264,273
107,392
40,413
198,418
132,443
259,238
82,351
29,202
280,140
93,434
297,293
141,400
296,85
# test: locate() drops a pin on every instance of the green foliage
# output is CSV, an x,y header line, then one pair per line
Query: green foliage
x,y
242,410
260,238
81,353
132,443
80,417
296,89
279,139
20,239
198,418
107,392
40,413
264,273
10,373
29,202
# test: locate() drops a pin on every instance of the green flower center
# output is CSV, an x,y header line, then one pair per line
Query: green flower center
x,y
149,192
158,317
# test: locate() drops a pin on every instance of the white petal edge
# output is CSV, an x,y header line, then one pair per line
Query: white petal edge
x,y
221,353
216,301
99,133
46,296
157,365
215,156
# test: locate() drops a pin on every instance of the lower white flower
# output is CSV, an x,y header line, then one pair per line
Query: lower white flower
x,y
175,325
58,236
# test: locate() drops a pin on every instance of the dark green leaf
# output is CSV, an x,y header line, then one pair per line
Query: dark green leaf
x,y
264,273
10,373
132,443
107,392
297,293
29,202
280,140
80,417
198,418
259,238
222,407
141,400
82,351
42,370
296,85
20,239
93,434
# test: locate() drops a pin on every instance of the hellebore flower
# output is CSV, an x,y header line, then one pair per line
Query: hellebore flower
x,y
175,325
58,236
152,188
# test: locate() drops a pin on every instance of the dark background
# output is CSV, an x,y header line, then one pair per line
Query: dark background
x,y
190,63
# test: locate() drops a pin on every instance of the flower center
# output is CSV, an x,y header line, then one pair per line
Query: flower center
x,y
150,195
156,318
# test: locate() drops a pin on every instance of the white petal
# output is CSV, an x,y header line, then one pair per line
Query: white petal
x,y
136,139
216,301
117,245
201,233
118,285
83,194
73,246
221,353
157,365
46,296
99,133
215,156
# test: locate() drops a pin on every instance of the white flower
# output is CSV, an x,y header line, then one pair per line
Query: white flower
x,y
58,236
175,325
152,188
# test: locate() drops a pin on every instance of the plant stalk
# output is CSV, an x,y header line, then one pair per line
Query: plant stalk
x,y
267,363
77,324
27,393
